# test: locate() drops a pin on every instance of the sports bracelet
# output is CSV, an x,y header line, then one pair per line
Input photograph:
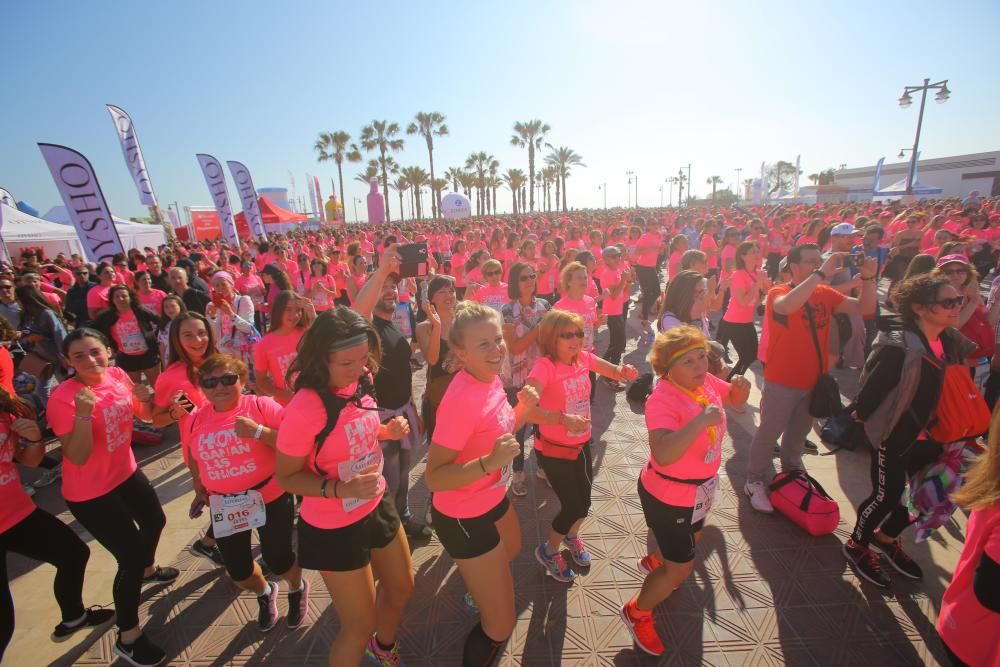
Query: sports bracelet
x,y
322,488
259,432
84,418
485,471
336,484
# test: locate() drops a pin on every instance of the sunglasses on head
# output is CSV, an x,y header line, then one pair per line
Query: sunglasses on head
x,y
950,303
527,278
227,380
570,335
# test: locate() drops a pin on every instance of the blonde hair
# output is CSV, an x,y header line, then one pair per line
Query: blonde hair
x,y
468,313
553,324
567,274
491,264
669,343
982,484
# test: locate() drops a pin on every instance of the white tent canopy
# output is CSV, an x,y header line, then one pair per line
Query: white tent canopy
x,y
133,234
899,188
21,231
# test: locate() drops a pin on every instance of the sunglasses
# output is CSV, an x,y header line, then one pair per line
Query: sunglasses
x,y
81,273
6,287
528,278
492,273
227,380
950,303
570,335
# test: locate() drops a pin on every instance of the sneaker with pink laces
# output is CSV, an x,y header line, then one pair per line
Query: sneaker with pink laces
x,y
643,628
577,550
383,657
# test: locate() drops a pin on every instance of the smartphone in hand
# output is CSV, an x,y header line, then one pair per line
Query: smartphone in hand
x,y
412,260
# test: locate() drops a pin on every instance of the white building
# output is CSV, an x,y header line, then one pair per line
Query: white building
x,y
956,176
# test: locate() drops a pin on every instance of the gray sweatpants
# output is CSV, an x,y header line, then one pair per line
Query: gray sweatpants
x,y
784,411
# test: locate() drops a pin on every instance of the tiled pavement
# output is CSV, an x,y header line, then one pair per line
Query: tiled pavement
x,y
763,592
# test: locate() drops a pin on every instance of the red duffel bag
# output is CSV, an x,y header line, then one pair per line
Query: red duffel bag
x,y
801,498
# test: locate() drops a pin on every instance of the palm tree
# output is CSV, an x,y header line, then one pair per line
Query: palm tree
x,y
400,185
714,182
418,179
493,183
370,172
480,164
467,181
531,134
563,159
380,136
548,175
681,180
427,125
334,146
454,173
514,179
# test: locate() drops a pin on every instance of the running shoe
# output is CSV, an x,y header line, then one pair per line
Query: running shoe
x,y
383,657
643,629
140,653
49,477
212,553
757,492
298,605
577,550
649,563
268,602
866,563
161,575
898,558
94,617
555,565
811,447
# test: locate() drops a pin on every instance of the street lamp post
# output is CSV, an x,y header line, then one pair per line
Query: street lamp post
x,y
739,170
630,174
356,218
905,101
671,180
689,180
604,188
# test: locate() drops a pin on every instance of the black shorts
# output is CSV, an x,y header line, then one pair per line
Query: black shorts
x,y
275,541
133,363
671,526
472,537
349,547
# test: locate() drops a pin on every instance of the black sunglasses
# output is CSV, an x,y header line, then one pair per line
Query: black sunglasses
x,y
227,380
950,303
570,335
527,278
6,287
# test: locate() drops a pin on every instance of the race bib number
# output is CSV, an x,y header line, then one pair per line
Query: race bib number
x,y
319,297
348,469
581,408
236,513
704,499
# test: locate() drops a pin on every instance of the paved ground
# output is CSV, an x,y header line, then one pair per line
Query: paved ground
x,y
764,593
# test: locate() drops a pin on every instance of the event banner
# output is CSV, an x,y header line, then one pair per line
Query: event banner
x,y
319,198
216,181
248,196
81,193
133,154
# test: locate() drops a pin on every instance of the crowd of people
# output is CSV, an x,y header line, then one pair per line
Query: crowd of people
x,y
288,368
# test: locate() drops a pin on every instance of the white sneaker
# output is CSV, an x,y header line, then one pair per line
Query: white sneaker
x,y
757,492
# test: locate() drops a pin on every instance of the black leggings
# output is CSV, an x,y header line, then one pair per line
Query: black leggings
x,y
275,542
127,521
616,339
43,537
743,335
649,282
891,465
572,482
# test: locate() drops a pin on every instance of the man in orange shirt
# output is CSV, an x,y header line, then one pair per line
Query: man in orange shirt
x,y
793,366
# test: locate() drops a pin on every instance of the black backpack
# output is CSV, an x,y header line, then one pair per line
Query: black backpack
x,y
641,388
333,405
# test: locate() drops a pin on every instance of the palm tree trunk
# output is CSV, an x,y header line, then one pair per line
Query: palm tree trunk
x,y
557,192
400,192
531,173
385,188
340,177
435,204
513,196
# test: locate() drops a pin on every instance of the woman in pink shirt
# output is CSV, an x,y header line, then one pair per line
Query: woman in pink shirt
x,y
151,299
273,355
250,284
561,378
27,530
747,288
469,469
493,292
548,273
97,296
132,329
92,414
229,448
329,453
320,286
686,423
678,246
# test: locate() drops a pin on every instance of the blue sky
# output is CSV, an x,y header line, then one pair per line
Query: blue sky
x,y
645,87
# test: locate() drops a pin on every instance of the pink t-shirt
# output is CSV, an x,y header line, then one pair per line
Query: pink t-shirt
x,y
674,264
111,461
322,300
728,260
548,275
152,301
477,414
252,286
15,505
670,408
585,308
128,336
97,297
612,305
226,462
966,626
649,257
458,261
565,389
736,312
711,249
274,355
351,447
494,297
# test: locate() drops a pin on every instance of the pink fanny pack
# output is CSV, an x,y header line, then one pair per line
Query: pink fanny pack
x,y
801,498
